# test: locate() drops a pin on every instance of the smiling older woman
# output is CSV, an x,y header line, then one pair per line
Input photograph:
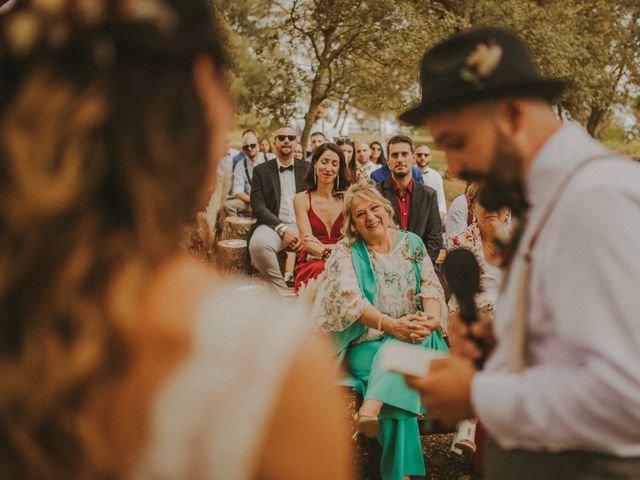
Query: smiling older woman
x,y
379,286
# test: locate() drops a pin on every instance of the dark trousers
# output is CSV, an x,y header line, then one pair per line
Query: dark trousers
x,y
500,464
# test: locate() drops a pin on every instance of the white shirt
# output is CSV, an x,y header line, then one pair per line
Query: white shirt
x,y
242,183
368,168
287,192
582,390
456,219
434,180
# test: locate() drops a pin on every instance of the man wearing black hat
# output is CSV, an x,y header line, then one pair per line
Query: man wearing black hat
x,y
560,392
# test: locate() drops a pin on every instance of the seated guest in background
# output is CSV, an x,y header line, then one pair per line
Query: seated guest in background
x,y
242,174
479,239
298,153
380,286
364,166
316,139
431,177
243,154
119,358
319,211
377,153
460,214
415,205
273,187
348,147
384,172
265,147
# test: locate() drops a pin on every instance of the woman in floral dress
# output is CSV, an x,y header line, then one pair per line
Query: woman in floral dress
x,y
378,286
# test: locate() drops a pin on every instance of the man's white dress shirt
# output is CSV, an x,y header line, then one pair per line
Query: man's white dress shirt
x,y
582,389
433,179
456,219
287,192
242,182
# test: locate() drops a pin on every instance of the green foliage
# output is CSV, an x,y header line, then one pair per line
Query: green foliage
x,y
364,54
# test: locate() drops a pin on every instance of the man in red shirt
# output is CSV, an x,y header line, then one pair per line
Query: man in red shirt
x,y
415,205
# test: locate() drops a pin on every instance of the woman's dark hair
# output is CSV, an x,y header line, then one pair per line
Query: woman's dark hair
x,y
381,159
104,145
342,181
352,162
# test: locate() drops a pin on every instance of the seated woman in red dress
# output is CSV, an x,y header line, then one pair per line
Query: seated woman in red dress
x,y
318,210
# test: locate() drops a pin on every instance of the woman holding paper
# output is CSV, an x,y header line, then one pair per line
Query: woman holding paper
x,y
379,286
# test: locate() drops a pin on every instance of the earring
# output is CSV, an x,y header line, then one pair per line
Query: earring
x,y
338,182
315,180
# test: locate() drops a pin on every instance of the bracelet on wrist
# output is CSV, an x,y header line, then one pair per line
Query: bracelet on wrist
x,y
326,253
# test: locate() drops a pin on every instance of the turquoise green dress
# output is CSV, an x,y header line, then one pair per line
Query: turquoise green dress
x,y
394,283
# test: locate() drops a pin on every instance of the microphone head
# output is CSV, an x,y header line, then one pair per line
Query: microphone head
x,y
462,273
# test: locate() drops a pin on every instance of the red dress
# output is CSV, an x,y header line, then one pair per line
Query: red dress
x,y
308,269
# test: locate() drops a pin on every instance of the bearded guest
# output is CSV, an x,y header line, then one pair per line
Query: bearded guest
x,y
415,205
319,211
560,393
273,187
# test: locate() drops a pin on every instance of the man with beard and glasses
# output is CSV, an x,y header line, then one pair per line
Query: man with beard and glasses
x,y
250,157
415,205
273,187
560,392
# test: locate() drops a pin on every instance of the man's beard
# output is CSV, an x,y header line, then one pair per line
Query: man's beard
x,y
503,185
400,174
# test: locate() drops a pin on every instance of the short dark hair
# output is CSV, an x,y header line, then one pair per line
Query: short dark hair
x,y
315,134
399,139
343,180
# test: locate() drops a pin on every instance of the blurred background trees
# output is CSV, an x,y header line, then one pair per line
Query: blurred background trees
x,y
363,55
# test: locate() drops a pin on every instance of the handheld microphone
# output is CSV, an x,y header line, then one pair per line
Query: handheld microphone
x,y
462,272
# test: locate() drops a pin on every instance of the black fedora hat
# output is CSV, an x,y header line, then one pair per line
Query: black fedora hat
x,y
478,64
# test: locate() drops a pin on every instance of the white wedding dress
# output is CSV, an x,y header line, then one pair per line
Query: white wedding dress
x,y
208,421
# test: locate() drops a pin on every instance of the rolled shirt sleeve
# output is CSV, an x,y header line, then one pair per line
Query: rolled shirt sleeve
x,y
583,390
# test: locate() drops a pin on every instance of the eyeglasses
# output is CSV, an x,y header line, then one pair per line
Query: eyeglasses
x,y
423,154
281,138
343,140
250,146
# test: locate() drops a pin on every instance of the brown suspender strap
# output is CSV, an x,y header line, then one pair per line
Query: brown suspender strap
x,y
519,355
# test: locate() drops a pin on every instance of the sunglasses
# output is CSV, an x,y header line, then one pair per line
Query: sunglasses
x,y
423,154
281,138
250,146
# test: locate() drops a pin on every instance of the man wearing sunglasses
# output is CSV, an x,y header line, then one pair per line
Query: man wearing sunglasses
x,y
244,163
274,184
431,177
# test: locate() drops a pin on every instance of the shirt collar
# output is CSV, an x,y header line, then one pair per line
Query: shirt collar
x,y
397,188
568,145
280,164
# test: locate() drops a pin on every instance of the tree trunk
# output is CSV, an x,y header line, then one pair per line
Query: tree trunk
x,y
595,117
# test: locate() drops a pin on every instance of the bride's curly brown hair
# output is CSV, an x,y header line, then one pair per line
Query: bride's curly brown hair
x,y
103,151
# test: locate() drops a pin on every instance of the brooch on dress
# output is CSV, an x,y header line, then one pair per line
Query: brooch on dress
x,y
417,256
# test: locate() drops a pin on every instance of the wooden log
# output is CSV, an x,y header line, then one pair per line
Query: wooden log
x,y
236,227
233,256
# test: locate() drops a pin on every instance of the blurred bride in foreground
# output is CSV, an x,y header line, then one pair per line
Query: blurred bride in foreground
x,y
121,356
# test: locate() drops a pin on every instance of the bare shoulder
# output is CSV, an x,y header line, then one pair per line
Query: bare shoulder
x,y
301,199
176,290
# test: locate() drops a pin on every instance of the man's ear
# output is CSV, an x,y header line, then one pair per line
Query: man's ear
x,y
510,114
